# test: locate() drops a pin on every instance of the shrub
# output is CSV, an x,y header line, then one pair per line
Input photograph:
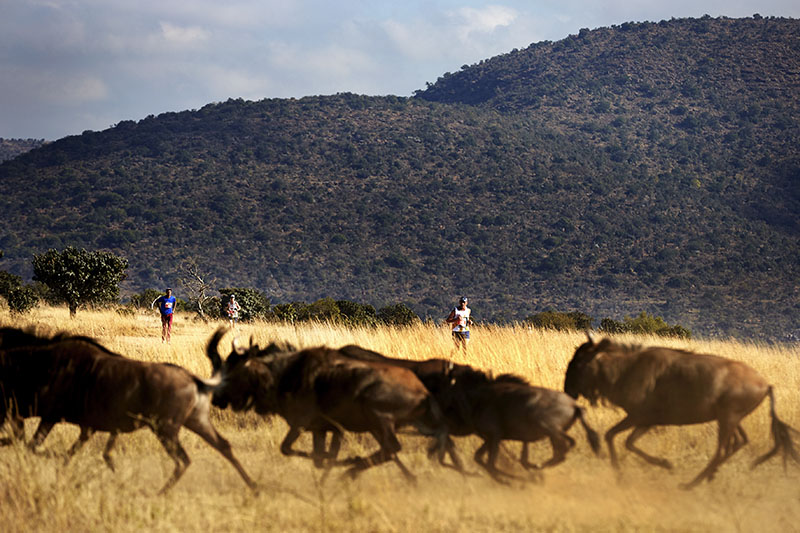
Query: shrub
x,y
290,312
8,281
644,324
356,314
572,321
22,299
397,315
322,310
144,299
254,303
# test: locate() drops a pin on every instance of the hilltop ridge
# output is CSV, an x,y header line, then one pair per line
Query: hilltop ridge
x,y
644,167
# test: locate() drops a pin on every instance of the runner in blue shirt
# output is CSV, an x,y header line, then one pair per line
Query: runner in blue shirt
x,y
166,305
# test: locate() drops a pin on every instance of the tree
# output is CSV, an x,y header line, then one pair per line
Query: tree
x,y
397,315
22,299
79,277
197,284
254,303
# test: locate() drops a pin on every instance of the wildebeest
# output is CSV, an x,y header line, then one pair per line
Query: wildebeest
x,y
503,408
662,386
77,380
321,390
19,398
508,408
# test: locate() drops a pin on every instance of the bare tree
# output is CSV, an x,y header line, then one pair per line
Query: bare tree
x,y
197,284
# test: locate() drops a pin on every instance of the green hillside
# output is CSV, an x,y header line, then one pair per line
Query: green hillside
x,y
11,148
644,167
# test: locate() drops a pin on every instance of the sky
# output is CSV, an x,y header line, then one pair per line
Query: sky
x,y
67,66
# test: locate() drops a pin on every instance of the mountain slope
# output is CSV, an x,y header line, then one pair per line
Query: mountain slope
x,y
531,180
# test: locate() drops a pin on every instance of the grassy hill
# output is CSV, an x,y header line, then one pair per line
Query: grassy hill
x,y
11,148
643,167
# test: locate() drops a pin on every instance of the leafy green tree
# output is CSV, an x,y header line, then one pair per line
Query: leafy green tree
x,y
254,303
356,314
22,299
324,309
644,324
144,299
397,315
8,281
289,312
79,277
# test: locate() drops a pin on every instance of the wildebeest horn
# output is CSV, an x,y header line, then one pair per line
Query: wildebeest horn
x,y
236,348
590,335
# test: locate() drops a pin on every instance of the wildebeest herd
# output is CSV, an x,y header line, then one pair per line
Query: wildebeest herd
x,y
322,390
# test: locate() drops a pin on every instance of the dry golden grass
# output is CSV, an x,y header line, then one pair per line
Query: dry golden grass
x,y
41,494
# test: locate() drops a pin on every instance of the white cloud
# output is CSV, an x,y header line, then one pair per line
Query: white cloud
x,y
25,84
184,36
471,21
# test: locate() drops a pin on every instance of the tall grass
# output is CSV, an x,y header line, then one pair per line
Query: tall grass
x,y
41,493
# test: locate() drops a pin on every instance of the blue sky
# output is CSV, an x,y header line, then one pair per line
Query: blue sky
x,y
70,66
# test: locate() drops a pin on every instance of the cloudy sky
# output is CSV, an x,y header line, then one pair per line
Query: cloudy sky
x,y
72,65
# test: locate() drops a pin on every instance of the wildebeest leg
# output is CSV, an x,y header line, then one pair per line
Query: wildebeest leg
x,y
448,448
86,434
333,451
492,445
622,425
389,446
726,431
336,444
736,442
200,425
41,433
17,424
318,453
523,458
178,455
637,432
112,439
561,444
289,439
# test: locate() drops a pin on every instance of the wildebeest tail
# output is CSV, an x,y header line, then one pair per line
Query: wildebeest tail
x,y
781,435
212,350
206,386
591,434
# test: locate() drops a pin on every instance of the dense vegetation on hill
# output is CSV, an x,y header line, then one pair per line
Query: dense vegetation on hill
x,y
644,167
11,148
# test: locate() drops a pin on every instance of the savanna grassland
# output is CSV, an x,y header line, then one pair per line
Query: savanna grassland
x,y
40,493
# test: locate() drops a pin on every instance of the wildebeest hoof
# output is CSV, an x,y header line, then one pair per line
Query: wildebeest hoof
x,y
663,463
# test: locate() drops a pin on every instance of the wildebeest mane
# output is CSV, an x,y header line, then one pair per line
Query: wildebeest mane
x,y
512,378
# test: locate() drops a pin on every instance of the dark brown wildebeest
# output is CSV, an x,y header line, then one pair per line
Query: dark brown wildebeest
x,y
661,386
19,398
76,380
509,408
496,409
321,390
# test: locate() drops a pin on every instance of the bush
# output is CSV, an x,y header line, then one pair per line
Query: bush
x,y
144,299
572,321
8,281
290,312
22,299
397,315
254,303
644,324
322,310
356,314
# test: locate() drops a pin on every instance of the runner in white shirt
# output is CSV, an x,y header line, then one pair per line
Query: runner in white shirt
x,y
460,319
